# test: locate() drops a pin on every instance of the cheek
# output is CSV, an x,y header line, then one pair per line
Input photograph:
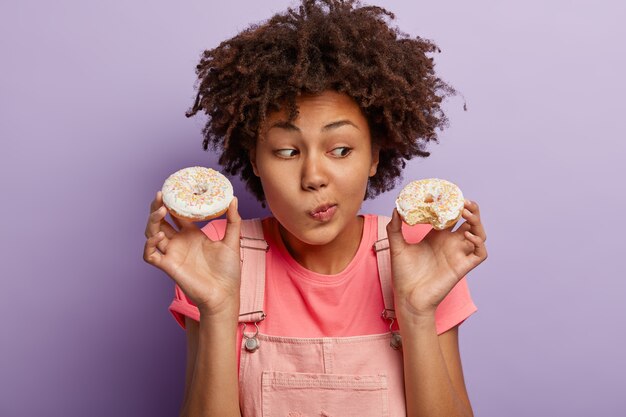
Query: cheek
x,y
277,189
272,189
355,180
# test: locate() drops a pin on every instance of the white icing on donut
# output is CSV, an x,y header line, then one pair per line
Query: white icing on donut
x,y
197,192
432,200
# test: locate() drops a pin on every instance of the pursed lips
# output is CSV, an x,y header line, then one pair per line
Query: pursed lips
x,y
322,208
324,213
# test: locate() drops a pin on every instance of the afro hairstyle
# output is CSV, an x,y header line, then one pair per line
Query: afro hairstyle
x,y
322,45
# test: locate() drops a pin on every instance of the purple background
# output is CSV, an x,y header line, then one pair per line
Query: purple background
x,y
92,102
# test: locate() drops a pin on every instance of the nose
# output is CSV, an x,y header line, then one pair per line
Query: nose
x,y
314,174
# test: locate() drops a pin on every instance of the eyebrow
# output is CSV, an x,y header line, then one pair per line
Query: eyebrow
x,y
331,126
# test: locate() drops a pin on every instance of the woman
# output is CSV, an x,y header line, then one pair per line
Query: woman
x,y
317,109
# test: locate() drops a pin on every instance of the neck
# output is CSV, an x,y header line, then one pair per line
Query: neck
x,y
328,259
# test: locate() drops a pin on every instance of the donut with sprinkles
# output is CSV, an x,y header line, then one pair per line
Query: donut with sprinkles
x,y
197,193
433,200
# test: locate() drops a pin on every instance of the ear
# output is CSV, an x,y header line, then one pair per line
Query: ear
x,y
375,159
252,153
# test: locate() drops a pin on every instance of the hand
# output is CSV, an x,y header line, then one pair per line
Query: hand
x,y
425,272
208,272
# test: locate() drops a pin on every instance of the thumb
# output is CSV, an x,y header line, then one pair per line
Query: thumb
x,y
233,224
394,231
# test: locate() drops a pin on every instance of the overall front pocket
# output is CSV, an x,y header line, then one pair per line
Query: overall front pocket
x,y
289,394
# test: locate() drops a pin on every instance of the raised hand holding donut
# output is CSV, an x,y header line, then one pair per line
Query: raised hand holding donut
x,y
425,272
207,271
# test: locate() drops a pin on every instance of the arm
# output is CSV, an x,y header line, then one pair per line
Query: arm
x,y
208,272
211,385
433,374
423,274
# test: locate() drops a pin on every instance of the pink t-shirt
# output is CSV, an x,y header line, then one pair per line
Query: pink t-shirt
x,y
303,303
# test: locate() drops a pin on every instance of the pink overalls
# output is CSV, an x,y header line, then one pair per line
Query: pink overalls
x,y
315,377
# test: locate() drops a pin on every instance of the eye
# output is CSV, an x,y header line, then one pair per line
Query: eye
x,y
286,153
341,151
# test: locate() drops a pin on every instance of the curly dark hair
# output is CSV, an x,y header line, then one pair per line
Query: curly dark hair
x,y
323,45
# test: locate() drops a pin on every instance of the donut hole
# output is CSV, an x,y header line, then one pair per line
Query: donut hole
x,y
199,190
429,198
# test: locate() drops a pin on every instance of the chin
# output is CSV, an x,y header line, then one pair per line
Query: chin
x,y
318,235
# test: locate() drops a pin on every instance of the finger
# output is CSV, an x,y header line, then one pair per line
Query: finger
x,y
471,210
472,216
394,231
150,253
154,204
157,205
477,229
157,223
168,229
233,224
154,221
471,206
479,245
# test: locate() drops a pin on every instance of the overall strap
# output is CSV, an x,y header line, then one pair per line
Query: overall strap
x,y
383,259
253,248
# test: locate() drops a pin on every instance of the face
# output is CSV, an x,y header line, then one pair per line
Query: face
x,y
314,170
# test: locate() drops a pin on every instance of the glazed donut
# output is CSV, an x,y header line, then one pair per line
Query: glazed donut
x,y
433,200
197,194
